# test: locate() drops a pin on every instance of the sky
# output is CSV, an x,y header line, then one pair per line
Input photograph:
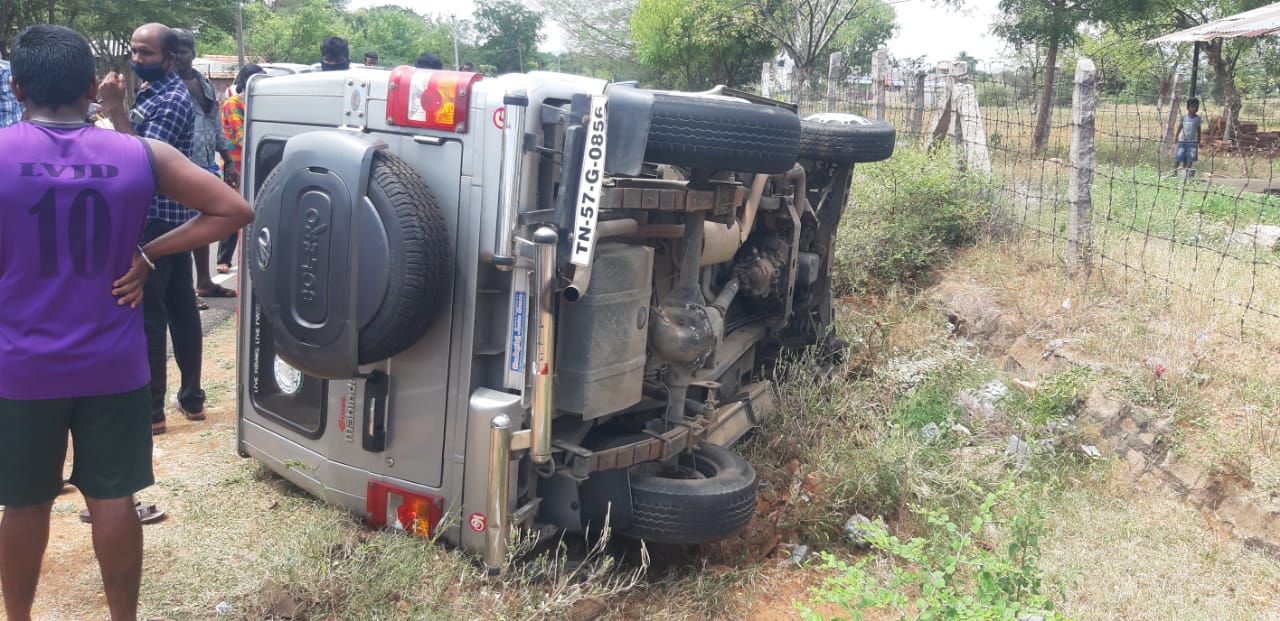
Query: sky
x,y
923,29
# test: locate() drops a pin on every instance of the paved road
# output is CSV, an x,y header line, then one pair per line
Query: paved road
x,y
220,308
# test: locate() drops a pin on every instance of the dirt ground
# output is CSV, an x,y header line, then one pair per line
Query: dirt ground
x,y
70,585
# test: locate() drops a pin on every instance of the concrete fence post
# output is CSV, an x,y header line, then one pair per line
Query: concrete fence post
x,y
917,115
879,75
833,77
1175,94
766,80
1084,159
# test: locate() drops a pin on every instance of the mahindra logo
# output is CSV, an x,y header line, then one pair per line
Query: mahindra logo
x,y
264,247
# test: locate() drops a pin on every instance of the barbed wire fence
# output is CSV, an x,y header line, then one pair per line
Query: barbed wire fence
x,y
1099,184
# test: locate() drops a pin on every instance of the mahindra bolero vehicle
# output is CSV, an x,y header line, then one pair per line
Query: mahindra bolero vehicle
x,y
539,300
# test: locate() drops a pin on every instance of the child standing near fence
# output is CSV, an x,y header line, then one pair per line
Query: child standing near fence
x,y
1188,137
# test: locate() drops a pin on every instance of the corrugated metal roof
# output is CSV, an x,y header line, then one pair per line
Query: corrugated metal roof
x,y
1258,22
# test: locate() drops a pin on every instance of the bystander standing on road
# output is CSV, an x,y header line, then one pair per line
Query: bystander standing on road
x,y
427,60
162,110
10,107
73,353
371,59
334,54
233,130
207,145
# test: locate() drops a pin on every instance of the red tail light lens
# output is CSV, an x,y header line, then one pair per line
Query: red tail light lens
x,y
391,507
430,98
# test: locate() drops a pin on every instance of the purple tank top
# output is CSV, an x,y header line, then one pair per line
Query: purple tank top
x,y
72,205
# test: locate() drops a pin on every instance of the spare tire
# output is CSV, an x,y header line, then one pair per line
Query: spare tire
x,y
846,138
403,265
721,133
703,496
419,265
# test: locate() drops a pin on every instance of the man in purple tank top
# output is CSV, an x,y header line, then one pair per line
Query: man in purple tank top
x,y
73,355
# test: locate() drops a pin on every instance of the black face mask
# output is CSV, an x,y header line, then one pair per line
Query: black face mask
x,y
148,73
335,66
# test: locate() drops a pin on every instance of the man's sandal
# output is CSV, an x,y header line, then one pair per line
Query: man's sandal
x,y
148,512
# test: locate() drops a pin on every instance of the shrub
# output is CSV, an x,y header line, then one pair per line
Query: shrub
x,y
952,574
905,213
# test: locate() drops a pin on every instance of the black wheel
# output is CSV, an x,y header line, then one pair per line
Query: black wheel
x,y
845,138
702,497
721,133
419,263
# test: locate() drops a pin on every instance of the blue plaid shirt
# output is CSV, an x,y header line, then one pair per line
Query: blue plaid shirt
x,y
10,109
163,111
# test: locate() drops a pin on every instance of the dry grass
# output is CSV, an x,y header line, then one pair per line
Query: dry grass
x,y
1221,369
1123,555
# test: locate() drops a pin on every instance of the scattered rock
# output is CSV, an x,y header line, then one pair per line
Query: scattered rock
x,y
961,429
857,527
1091,450
982,403
587,609
931,432
796,553
1019,452
1258,235
222,608
975,315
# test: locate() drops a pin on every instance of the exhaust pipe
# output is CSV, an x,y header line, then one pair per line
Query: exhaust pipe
x,y
495,532
544,276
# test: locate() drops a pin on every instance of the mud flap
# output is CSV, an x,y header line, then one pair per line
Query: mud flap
x,y
627,141
306,243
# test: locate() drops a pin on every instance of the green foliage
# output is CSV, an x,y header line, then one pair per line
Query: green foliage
x,y
695,44
905,213
866,33
931,403
291,32
399,35
992,94
109,25
953,573
510,34
1058,396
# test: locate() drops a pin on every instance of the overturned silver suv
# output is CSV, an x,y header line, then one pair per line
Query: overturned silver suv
x,y
536,300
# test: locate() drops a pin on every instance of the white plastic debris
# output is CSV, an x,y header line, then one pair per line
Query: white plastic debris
x,y
1091,450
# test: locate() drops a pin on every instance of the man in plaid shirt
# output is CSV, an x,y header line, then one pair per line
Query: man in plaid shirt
x,y
10,109
162,110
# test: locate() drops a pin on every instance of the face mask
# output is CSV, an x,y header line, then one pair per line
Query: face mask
x,y
335,66
148,73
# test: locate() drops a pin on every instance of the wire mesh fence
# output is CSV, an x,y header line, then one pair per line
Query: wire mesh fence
x,y
1209,230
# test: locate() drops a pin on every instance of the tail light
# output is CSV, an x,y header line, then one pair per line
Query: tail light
x,y
391,507
430,98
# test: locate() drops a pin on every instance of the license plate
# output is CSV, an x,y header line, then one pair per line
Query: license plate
x,y
589,184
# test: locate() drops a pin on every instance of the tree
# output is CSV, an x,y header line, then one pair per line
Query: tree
x,y
804,29
511,34
968,60
1222,54
1055,25
399,35
597,34
291,30
866,33
109,25
694,44
1126,60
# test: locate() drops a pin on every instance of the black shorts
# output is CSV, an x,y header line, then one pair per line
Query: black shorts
x,y
111,436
